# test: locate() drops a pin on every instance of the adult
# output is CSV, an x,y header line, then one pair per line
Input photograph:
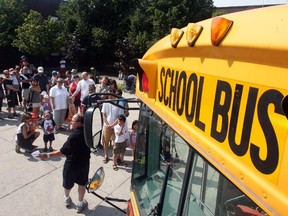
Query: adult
x,y
110,113
90,100
62,66
130,82
123,111
74,73
59,102
25,79
72,89
25,135
76,167
33,69
10,94
34,96
112,85
17,75
83,86
54,77
15,83
68,79
42,80
103,87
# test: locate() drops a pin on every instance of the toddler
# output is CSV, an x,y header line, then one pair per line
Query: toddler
x,y
133,136
46,105
48,126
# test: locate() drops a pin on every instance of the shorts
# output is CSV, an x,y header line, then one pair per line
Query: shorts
x,y
119,148
71,176
25,143
48,137
77,102
107,135
26,94
12,99
36,105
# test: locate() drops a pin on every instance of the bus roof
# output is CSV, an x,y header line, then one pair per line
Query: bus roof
x,y
223,94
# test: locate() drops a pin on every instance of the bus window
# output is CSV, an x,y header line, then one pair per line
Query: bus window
x,y
210,193
162,147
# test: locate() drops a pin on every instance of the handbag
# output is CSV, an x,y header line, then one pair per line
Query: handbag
x,y
30,107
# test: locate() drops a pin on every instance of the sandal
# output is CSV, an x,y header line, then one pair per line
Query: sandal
x,y
115,168
106,160
124,164
17,149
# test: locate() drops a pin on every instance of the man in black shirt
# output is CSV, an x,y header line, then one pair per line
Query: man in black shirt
x,y
76,167
42,79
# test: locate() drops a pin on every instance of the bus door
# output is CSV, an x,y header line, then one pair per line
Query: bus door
x,y
170,178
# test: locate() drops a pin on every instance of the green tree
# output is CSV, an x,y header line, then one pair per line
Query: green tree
x,y
153,20
98,25
12,13
37,36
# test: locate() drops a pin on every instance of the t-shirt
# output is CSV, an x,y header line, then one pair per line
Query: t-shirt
x,y
43,81
122,137
34,96
46,106
60,96
73,87
48,125
7,82
111,111
90,100
26,76
76,151
83,86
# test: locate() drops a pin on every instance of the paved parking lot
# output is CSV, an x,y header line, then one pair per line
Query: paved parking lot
x,y
30,187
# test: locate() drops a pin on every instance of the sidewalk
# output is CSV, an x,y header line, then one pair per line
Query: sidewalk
x,y
30,187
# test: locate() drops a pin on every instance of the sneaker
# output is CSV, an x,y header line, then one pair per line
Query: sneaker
x,y
51,149
45,149
68,202
82,207
16,114
10,116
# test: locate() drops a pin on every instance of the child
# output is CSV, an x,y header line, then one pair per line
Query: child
x,y
133,136
25,135
121,136
46,104
48,126
71,111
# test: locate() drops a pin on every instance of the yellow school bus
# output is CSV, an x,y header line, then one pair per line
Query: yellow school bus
x,y
212,130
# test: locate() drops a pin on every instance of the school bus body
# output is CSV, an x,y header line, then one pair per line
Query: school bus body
x,y
226,100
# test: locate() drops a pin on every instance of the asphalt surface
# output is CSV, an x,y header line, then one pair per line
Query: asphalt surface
x,y
31,187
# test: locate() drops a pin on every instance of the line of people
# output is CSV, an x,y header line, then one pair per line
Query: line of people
x,y
56,101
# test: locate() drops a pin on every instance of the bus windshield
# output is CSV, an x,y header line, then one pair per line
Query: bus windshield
x,y
170,178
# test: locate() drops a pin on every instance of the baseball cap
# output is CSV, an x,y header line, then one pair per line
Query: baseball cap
x,y
11,70
40,69
34,115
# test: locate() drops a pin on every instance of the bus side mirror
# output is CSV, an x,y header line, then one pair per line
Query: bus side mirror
x,y
97,180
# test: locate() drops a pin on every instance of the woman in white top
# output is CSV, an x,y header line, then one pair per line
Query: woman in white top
x,y
59,101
